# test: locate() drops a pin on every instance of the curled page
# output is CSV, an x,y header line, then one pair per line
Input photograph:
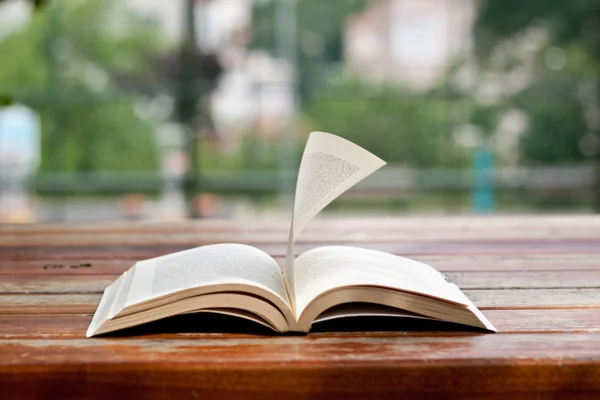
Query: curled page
x,y
330,165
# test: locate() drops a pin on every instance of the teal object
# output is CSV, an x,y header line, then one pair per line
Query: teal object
x,y
483,197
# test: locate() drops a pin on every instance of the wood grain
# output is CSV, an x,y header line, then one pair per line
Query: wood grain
x,y
140,252
341,349
324,235
536,278
49,304
483,299
457,263
55,284
299,367
70,282
451,224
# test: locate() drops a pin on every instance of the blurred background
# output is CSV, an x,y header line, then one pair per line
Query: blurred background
x,y
174,109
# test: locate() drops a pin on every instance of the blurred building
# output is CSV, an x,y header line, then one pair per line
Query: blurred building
x,y
254,91
19,158
13,14
408,41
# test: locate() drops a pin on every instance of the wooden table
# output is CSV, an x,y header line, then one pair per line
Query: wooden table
x,y
536,279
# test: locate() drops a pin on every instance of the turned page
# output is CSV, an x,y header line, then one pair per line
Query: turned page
x,y
330,165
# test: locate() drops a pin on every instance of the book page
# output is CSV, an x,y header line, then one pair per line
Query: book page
x,y
327,268
365,310
330,165
234,266
226,263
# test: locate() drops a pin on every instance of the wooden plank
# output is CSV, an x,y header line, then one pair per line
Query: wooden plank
x,y
74,283
72,326
582,320
54,284
49,303
350,348
534,298
455,263
85,254
331,230
339,223
512,248
388,229
483,299
525,279
366,235
297,367
21,326
64,267
509,262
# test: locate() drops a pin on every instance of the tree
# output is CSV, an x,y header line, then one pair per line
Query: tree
x,y
574,25
35,3
573,21
66,63
414,129
319,36
557,125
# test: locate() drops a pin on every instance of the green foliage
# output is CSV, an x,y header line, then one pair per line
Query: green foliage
x,y
555,131
557,122
107,137
319,36
252,152
551,100
65,63
413,129
36,3
567,21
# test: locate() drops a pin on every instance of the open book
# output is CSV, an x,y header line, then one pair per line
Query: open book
x,y
321,284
